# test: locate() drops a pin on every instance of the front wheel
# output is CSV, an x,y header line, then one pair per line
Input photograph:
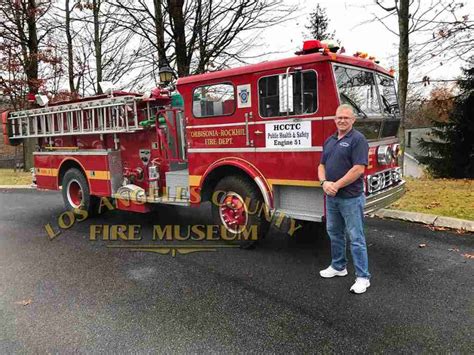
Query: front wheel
x,y
76,193
238,207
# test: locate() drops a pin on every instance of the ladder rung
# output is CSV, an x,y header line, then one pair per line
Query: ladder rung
x,y
110,115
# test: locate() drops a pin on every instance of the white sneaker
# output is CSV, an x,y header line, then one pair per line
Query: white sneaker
x,y
360,286
331,272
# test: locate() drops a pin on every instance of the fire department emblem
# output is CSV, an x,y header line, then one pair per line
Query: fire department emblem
x,y
244,97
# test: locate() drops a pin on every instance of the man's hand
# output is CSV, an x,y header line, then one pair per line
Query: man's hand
x,y
330,188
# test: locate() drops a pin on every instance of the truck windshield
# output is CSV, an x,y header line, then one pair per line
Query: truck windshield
x,y
374,99
357,88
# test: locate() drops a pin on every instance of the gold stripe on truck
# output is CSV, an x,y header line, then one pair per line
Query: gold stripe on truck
x,y
98,175
194,180
46,172
307,183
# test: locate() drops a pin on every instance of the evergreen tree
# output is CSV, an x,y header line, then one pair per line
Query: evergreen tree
x,y
319,24
451,151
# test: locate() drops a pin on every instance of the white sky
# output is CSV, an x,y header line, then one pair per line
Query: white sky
x,y
346,18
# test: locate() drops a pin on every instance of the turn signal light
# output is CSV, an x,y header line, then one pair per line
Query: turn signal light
x,y
395,150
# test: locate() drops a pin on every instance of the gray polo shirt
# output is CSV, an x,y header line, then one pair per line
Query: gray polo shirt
x,y
340,155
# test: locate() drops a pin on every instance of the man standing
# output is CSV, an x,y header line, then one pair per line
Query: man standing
x,y
345,156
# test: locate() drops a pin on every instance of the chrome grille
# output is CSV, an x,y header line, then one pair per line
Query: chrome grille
x,y
383,179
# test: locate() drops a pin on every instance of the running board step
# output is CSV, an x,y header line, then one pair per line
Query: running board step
x,y
178,182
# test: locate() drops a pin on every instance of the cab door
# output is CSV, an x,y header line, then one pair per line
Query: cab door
x,y
218,121
286,101
287,148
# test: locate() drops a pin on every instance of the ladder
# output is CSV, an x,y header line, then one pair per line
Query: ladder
x,y
109,115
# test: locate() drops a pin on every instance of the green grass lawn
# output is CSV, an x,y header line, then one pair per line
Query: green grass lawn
x,y
445,197
10,177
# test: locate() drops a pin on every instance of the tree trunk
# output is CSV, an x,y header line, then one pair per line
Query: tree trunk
x,y
70,58
160,33
201,40
97,44
403,18
32,66
178,26
29,145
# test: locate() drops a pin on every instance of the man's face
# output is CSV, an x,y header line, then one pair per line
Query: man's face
x,y
344,120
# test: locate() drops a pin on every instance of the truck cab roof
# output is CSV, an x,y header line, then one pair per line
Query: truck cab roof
x,y
283,63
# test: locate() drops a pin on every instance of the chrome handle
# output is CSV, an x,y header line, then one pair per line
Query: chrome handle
x,y
247,138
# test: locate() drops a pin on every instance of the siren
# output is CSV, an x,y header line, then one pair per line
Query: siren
x,y
316,46
310,46
30,97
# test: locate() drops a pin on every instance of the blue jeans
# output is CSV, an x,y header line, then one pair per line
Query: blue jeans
x,y
346,215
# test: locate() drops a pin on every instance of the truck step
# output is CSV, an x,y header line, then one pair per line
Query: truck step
x,y
178,180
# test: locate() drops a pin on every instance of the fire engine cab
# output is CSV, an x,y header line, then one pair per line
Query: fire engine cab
x,y
242,138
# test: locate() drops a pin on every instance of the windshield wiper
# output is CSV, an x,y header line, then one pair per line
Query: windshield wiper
x,y
353,104
388,107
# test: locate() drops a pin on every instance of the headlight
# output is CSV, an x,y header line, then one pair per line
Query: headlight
x,y
396,174
375,182
384,154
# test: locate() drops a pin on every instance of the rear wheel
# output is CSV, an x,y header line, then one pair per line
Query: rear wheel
x,y
238,207
76,193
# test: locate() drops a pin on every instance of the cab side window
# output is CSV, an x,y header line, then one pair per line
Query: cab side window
x,y
296,95
214,100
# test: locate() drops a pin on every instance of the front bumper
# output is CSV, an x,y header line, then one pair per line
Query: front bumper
x,y
385,197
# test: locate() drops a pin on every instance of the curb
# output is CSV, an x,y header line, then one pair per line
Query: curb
x,y
430,219
17,186
412,158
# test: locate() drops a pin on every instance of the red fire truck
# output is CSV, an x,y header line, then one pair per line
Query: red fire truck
x,y
253,133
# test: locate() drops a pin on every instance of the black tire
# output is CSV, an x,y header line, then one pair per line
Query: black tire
x,y
73,181
240,189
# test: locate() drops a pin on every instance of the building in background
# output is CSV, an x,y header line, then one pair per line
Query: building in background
x,y
10,156
412,166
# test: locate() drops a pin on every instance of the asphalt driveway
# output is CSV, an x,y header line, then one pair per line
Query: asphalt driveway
x,y
71,294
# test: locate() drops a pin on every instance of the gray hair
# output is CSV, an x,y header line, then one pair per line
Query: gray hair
x,y
346,107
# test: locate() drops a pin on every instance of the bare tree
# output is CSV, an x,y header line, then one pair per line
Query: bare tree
x,y
24,32
197,36
400,8
98,49
445,37
415,16
70,36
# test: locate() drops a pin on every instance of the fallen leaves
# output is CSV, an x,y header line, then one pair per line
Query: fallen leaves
x,y
453,249
468,256
443,197
437,228
433,204
421,245
24,302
